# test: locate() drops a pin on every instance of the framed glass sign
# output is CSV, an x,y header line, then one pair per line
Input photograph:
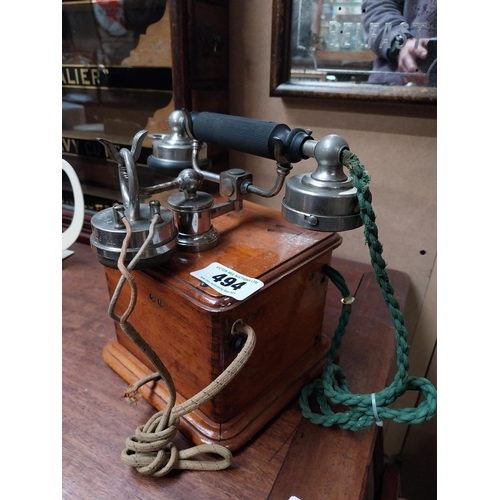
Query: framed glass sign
x,y
126,65
365,50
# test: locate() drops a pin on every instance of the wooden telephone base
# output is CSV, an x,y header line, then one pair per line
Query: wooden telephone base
x,y
189,325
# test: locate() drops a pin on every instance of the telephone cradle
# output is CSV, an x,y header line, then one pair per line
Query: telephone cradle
x,y
189,324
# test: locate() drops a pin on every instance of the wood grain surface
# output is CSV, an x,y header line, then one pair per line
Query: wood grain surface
x,y
289,456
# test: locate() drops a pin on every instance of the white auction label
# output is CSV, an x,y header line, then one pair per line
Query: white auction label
x,y
227,281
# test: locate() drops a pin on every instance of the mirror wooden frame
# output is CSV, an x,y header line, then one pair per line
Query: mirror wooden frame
x,y
282,86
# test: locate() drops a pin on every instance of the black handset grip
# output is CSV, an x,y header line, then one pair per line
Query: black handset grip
x,y
255,137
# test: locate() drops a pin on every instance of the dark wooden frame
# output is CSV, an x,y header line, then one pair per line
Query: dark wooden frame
x,y
281,86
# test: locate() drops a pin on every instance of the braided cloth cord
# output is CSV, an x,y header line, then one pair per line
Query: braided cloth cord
x,y
365,409
151,450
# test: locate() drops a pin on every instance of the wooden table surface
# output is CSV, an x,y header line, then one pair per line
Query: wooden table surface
x,y
290,456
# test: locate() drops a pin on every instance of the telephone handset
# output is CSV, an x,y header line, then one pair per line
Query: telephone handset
x,y
324,200
147,236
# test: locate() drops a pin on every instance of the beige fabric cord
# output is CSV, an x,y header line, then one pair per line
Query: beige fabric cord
x,y
151,450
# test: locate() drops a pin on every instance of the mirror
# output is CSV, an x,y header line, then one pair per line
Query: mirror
x,y
349,50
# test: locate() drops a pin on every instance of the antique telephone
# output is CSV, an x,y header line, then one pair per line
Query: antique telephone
x,y
241,299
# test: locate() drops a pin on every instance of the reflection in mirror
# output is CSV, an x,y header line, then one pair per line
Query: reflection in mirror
x,y
111,86
364,42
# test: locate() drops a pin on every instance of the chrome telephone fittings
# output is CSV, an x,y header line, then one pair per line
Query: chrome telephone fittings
x,y
324,200
135,149
193,218
108,234
233,183
190,181
127,172
173,153
108,230
279,153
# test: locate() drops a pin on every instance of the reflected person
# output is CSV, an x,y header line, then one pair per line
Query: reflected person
x,y
398,32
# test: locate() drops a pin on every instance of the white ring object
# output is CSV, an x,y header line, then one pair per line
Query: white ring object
x,y
70,235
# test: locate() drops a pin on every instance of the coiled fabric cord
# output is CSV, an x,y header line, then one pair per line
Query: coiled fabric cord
x,y
366,409
151,450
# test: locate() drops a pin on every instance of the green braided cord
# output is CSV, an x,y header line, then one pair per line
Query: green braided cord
x,y
332,387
